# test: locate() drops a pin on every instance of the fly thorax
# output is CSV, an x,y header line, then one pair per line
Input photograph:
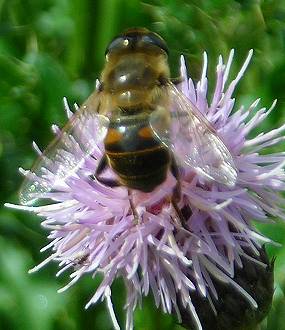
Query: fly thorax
x,y
132,81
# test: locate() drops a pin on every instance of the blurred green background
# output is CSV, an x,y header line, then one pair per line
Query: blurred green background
x,y
55,48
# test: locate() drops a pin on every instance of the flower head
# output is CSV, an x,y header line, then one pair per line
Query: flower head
x,y
93,229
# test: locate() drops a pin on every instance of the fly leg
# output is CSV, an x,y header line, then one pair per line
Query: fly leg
x,y
177,80
163,81
176,195
103,164
134,211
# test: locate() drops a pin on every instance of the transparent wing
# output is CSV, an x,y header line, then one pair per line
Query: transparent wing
x,y
192,139
67,152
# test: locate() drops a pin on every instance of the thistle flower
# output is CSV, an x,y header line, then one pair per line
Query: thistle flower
x,y
92,227
231,310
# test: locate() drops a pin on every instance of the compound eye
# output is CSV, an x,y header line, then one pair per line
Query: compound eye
x,y
117,44
156,40
136,40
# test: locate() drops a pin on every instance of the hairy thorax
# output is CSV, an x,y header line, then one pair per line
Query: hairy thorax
x,y
134,80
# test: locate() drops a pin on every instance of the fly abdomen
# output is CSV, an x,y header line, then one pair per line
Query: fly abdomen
x,y
135,154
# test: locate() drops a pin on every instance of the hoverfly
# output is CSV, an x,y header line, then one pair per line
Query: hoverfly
x,y
142,119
